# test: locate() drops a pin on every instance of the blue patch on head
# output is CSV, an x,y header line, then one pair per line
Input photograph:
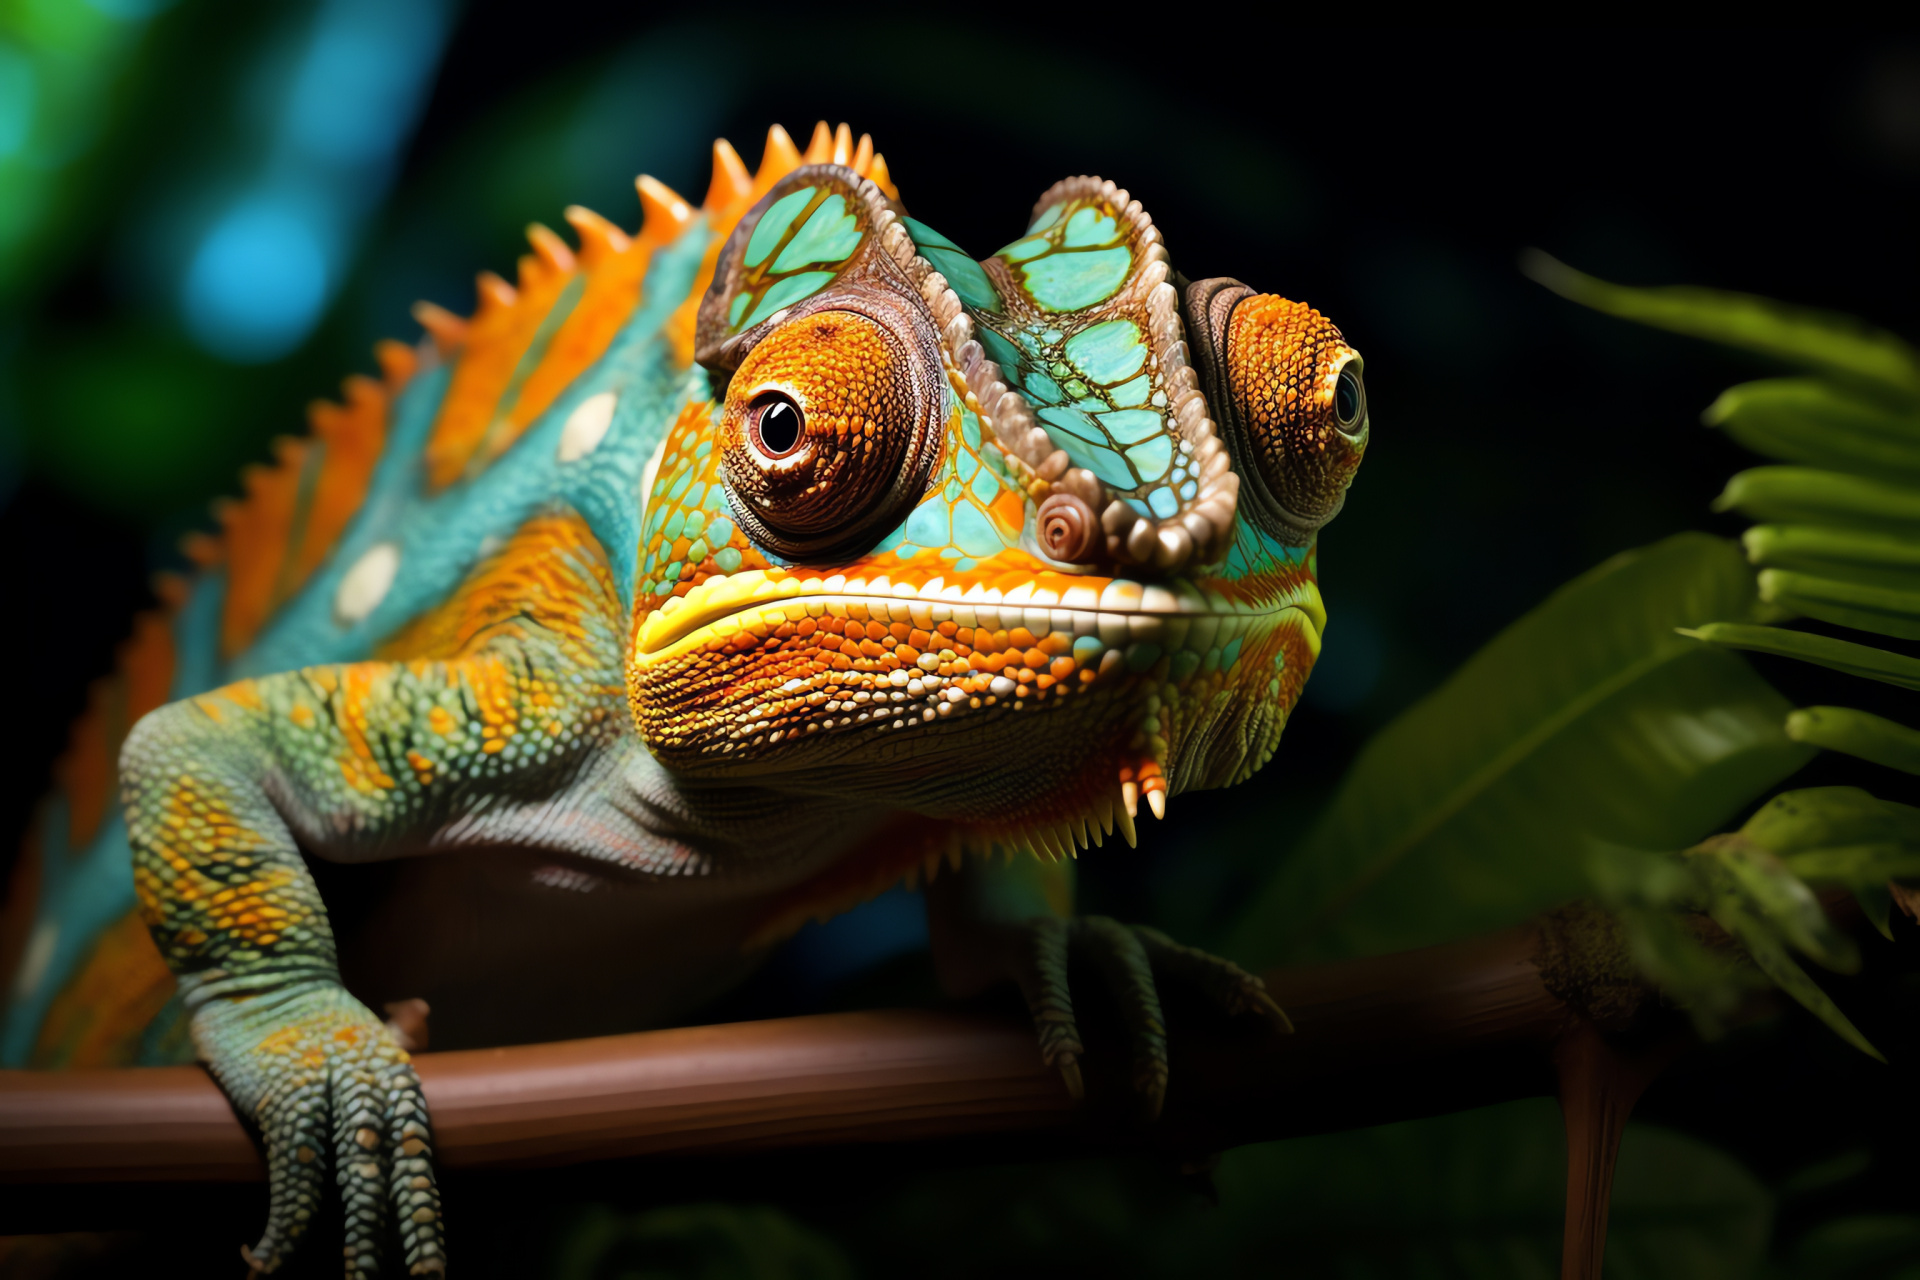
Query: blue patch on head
x,y
1072,281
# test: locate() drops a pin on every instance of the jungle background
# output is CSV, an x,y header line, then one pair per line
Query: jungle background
x,y
209,210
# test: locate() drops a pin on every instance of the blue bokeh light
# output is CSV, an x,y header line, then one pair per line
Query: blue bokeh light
x,y
17,93
257,282
260,273
359,83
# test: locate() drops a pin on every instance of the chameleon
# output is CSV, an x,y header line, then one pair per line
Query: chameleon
x,y
705,580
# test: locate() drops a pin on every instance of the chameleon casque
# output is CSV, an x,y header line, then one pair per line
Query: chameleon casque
x,y
711,579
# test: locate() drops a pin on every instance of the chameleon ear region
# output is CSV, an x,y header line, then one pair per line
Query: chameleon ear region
x,y
1290,394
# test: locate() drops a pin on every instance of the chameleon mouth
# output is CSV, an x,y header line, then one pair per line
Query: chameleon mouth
x,y
1113,620
735,676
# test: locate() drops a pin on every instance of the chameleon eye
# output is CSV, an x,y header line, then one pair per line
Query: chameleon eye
x,y
821,436
1349,399
776,424
1299,410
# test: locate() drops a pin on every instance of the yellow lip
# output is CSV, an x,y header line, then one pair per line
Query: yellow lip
x,y
1118,611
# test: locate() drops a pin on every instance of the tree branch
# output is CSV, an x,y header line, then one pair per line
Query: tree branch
x,y
1377,1040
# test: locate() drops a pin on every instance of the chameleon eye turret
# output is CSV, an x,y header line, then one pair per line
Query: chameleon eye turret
x,y
821,418
833,414
1291,395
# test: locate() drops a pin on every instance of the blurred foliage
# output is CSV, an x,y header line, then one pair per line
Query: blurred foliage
x,y
696,1242
1472,1195
1590,719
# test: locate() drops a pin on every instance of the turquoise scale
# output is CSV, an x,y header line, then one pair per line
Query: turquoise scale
x,y
1081,360
802,242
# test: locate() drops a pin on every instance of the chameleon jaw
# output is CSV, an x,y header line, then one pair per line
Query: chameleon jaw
x,y
746,672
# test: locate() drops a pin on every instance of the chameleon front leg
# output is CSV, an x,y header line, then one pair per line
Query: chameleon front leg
x,y
995,921
364,760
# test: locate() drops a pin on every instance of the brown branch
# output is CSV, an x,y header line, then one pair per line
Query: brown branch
x,y
1377,1040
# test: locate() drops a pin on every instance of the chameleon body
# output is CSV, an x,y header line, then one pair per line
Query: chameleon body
x,y
707,580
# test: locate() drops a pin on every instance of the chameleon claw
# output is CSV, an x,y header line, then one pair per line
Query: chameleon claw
x,y
1270,1009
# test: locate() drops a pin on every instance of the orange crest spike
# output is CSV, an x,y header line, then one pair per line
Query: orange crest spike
x,y
779,159
495,295
447,330
878,175
599,239
843,144
820,146
863,155
662,210
397,360
731,181
551,249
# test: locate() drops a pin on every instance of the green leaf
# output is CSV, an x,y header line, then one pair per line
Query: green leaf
x,y
1763,946
1757,883
1822,651
1835,343
1710,985
1863,606
1796,822
1588,719
1813,421
1857,733
1622,876
1887,560
1820,497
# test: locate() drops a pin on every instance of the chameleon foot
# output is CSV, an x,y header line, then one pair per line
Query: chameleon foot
x,y
1127,957
328,1089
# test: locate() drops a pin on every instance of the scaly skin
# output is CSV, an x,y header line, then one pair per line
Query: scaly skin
x,y
752,563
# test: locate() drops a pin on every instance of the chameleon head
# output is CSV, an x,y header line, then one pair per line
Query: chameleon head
x,y
1015,543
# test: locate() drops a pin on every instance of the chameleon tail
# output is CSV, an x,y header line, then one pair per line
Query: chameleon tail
x,y
83,981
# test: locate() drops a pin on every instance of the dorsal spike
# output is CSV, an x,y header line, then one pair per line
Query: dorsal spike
x,y
397,361
599,239
862,155
550,248
779,159
662,210
731,181
446,329
820,146
843,144
877,174
204,549
495,295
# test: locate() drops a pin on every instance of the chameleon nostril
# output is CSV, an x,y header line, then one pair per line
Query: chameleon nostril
x,y
1067,528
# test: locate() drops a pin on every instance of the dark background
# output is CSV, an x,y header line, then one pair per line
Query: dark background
x,y
1390,178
